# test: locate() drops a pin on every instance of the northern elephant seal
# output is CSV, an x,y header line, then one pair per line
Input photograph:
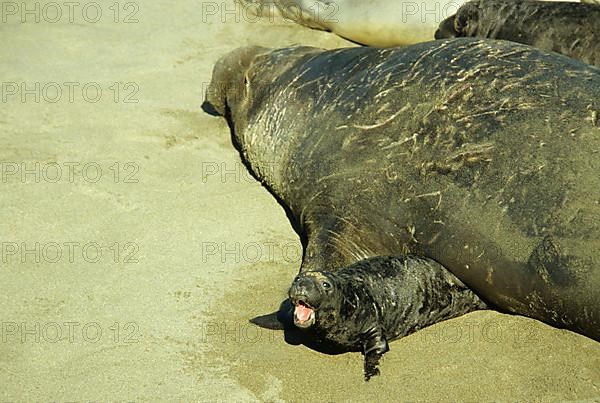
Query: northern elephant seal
x,y
381,23
571,29
377,300
480,154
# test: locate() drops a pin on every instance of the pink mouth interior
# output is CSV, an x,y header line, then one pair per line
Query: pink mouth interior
x,y
302,312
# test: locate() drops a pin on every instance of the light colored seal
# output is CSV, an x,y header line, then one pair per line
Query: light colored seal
x,y
381,23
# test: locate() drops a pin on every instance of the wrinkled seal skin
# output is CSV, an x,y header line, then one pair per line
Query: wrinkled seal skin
x,y
480,154
376,300
571,29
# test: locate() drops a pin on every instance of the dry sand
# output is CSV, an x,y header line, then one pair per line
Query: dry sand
x,y
202,247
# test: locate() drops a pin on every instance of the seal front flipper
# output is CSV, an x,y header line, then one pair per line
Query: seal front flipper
x,y
374,347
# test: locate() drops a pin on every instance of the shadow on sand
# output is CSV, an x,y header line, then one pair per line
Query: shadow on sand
x,y
283,320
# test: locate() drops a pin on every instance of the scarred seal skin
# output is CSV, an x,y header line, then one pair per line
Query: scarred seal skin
x,y
572,29
482,155
376,300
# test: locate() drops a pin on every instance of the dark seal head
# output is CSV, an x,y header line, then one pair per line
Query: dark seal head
x,y
242,81
229,79
365,305
462,24
568,28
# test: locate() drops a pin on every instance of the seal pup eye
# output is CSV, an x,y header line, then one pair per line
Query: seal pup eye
x,y
326,285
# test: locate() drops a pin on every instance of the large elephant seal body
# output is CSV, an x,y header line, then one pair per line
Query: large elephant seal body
x,y
382,23
376,300
571,29
480,154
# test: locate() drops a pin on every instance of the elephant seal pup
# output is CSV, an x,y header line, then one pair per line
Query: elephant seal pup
x,y
479,154
373,301
571,29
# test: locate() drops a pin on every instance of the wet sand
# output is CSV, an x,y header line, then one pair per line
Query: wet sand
x,y
135,246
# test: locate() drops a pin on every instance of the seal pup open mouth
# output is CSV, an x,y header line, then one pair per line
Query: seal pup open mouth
x,y
304,315
306,293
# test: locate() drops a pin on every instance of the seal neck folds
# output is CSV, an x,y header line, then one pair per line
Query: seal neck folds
x,y
265,113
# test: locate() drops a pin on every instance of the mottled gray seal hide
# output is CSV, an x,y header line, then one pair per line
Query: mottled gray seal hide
x,y
482,155
572,29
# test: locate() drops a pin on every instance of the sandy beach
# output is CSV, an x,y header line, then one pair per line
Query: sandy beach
x,y
136,247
